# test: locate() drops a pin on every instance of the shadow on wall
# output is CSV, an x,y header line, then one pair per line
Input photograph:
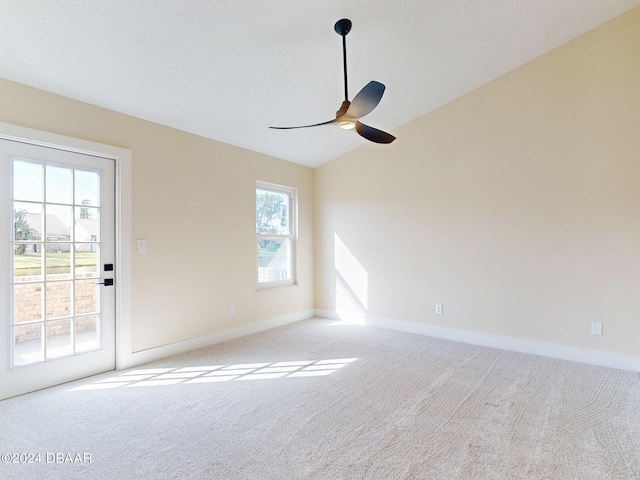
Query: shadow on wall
x,y
352,285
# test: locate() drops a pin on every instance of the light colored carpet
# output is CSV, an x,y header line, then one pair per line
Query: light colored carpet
x,y
315,401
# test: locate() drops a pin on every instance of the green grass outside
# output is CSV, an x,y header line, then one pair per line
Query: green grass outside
x,y
30,263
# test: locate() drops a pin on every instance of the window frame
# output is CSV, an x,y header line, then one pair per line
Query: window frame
x,y
292,236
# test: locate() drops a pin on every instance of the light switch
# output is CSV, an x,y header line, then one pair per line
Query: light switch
x,y
141,245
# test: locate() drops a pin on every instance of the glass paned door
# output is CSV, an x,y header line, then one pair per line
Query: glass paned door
x,y
61,315
56,253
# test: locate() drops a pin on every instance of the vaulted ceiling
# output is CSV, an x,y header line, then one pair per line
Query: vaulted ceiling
x,y
227,70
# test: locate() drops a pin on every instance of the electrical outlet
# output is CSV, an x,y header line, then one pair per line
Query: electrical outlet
x,y
438,309
596,328
231,311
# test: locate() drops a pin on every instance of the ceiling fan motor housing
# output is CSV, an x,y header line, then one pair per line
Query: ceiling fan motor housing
x,y
342,27
343,108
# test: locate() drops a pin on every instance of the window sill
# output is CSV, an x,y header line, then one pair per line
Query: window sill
x,y
273,285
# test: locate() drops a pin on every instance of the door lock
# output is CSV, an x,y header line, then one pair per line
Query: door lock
x,y
108,282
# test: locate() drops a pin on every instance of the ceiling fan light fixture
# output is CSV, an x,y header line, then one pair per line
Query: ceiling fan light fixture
x,y
347,124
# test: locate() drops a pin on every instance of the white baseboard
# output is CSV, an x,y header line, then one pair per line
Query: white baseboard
x,y
563,352
158,353
329,314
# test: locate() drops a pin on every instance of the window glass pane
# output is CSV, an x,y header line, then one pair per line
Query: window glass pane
x,y
272,212
58,299
28,181
87,224
27,262
87,188
27,221
87,296
59,184
274,259
86,259
27,302
58,260
58,222
28,346
59,338
87,333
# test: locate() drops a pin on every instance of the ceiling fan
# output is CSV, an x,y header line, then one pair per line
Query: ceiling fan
x,y
347,117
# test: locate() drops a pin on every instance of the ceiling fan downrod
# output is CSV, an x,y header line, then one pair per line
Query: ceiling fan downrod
x,y
342,28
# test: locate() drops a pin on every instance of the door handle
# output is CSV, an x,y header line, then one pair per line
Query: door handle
x,y
108,282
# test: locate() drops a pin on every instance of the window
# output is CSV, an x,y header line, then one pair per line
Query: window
x,y
276,234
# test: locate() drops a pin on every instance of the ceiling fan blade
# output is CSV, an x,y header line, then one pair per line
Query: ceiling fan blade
x,y
306,126
373,134
366,100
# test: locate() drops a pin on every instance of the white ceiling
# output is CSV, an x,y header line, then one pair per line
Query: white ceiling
x,y
228,69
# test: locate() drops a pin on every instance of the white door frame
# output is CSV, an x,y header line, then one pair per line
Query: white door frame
x,y
123,239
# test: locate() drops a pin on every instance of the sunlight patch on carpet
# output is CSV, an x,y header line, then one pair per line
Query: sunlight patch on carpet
x,y
153,377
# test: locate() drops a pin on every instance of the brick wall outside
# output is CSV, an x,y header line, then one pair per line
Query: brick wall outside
x,y
28,305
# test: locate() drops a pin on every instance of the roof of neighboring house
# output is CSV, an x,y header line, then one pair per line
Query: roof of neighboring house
x,y
55,227
90,225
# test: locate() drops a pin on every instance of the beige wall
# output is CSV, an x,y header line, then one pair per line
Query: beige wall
x,y
194,202
517,206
